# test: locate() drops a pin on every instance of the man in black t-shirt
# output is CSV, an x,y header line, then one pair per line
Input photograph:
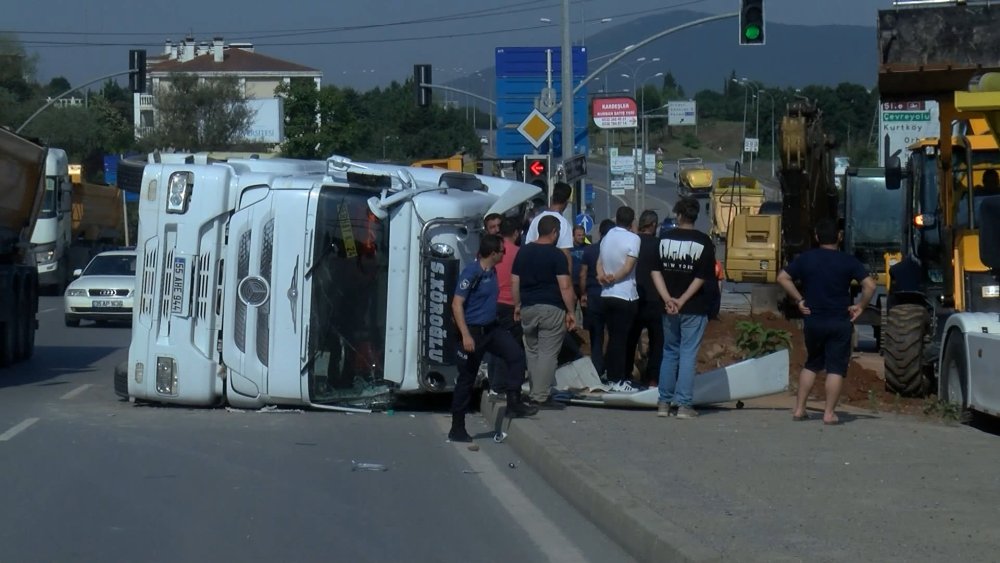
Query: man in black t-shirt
x,y
686,264
649,314
545,304
826,274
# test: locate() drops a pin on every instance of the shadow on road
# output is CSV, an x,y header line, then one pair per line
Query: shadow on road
x,y
51,362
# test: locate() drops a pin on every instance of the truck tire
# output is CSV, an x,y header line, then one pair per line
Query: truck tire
x,y
903,346
130,175
954,387
29,322
121,380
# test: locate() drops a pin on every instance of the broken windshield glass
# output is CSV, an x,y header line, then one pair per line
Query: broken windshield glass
x,y
349,293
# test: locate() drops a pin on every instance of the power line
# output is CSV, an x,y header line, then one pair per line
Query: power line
x,y
310,30
313,31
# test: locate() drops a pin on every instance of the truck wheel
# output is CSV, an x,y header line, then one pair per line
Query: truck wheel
x,y
953,372
121,380
24,328
903,344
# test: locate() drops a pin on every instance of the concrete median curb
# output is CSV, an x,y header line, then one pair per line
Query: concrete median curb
x,y
644,534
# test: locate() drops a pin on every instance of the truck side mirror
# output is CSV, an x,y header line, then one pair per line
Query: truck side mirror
x,y
893,173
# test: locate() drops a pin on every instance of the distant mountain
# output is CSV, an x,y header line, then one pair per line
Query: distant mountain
x,y
703,57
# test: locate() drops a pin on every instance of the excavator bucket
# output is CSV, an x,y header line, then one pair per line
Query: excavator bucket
x,y
928,52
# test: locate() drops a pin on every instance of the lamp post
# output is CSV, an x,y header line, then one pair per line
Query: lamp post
x,y
642,105
743,148
746,90
384,139
774,139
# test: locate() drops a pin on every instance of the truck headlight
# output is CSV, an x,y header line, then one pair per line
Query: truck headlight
x,y
179,188
166,376
76,293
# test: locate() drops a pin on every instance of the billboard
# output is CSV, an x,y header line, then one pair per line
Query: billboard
x,y
268,125
683,112
615,113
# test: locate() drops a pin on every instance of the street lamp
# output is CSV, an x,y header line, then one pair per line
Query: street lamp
x,y
746,91
773,138
384,139
642,106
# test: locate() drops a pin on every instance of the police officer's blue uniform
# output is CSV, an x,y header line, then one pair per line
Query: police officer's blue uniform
x,y
480,289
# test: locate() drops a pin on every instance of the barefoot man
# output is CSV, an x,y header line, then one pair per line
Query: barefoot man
x,y
825,274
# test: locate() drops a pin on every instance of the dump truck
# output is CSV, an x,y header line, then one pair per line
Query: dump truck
x,y
22,189
693,178
97,219
934,53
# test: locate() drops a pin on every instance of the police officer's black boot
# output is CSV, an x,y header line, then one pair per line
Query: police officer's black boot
x,y
457,432
516,407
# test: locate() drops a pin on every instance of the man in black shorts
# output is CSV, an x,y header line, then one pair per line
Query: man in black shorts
x,y
825,274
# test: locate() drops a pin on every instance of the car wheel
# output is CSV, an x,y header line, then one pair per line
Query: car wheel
x,y
72,322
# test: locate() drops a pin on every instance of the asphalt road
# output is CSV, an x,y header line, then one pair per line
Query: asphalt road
x,y
659,197
87,477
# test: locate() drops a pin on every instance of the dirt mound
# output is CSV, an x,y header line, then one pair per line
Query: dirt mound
x,y
863,387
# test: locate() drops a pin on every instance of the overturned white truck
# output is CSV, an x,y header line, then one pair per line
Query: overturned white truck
x,y
288,282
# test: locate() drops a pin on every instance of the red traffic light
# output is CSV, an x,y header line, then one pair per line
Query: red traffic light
x,y
537,167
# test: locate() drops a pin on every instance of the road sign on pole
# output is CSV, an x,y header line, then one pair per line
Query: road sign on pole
x,y
536,128
575,168
751,144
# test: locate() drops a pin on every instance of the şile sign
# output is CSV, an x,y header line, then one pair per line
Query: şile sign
x,y
615,113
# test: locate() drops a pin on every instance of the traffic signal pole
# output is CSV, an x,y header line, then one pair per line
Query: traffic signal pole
x,y
68,92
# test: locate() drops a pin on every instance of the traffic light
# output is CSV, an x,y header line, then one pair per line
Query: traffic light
x,y
422,75
536,170
137,71
751,22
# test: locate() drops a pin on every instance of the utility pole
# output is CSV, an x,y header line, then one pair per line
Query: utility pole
x,y
567,90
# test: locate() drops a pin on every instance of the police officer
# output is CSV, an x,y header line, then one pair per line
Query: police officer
x,y
475,310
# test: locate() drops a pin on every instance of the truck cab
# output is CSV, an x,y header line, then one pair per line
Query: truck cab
x,y
51,237
313,283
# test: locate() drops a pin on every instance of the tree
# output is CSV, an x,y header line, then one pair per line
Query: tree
x,y
17,68
199,116
57,86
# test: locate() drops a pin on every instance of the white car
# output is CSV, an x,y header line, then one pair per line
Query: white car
x,y
103,290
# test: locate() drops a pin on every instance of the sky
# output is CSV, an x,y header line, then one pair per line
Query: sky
x,y
361,43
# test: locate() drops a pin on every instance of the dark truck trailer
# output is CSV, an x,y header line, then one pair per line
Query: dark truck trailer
x,y
22,171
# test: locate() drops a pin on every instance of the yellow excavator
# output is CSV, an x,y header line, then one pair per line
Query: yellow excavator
x,y
933,53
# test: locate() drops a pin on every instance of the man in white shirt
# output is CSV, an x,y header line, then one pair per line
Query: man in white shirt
x,y
561,193
619,295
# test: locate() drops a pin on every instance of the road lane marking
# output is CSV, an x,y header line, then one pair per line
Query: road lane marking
x,y
539,527
48,310
21,427
75,392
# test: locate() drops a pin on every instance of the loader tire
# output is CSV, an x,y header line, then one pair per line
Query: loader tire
x,y
903,347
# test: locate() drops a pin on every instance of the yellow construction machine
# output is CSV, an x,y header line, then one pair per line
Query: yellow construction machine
x,y
933,52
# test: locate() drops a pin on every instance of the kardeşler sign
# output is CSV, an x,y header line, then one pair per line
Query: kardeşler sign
x,y
615,113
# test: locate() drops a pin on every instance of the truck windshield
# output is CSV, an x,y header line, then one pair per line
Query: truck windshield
x,y
349,293
49,203
874,222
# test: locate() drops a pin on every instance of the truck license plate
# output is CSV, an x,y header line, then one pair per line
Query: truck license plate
x,y
178,287
107,304
991,291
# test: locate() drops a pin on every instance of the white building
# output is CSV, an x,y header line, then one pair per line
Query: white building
x,y
258,75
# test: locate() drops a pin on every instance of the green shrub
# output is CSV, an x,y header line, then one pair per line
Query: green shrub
x,y
755,340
